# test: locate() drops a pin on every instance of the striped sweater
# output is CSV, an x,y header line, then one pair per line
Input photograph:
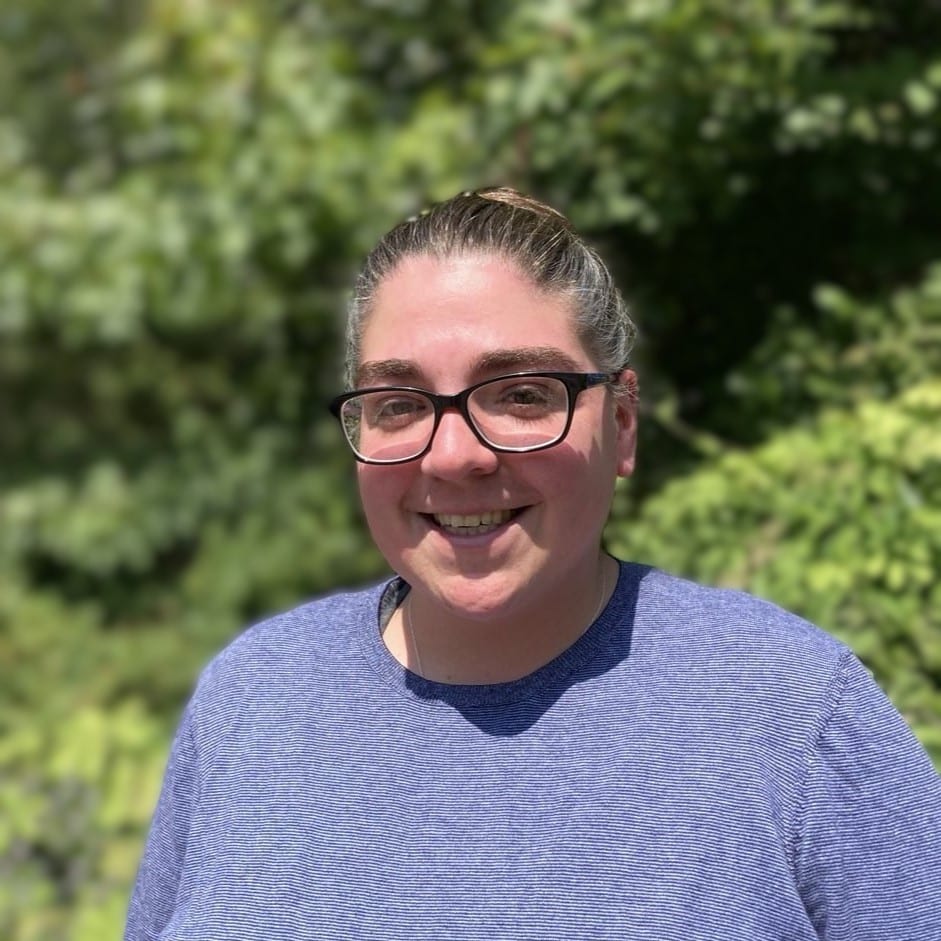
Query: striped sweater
x,y
698,765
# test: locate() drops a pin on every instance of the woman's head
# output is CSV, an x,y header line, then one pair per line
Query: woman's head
x,y
488,532
536,238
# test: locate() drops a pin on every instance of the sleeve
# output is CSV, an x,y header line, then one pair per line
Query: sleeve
x,y
158,880
868,857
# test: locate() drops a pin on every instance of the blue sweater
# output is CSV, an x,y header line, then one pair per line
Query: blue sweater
x,y
699,765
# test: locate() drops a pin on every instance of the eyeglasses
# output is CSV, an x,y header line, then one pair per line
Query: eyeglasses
x,y
513,414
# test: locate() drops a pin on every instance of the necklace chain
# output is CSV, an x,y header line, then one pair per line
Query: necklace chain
x,y
410,631
412,640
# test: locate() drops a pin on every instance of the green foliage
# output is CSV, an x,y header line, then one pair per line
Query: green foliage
x,y
186,190
76,796
856,350
730,157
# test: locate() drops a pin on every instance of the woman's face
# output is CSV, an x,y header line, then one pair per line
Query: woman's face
x,y
443,325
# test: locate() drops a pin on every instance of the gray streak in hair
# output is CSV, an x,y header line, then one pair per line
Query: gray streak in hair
x,y
504,223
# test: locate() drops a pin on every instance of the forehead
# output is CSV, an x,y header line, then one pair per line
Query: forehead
x,y
454,320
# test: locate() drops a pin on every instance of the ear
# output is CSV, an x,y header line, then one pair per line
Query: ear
x,y
625,404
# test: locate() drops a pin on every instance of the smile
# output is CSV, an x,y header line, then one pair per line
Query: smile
x,y
473,524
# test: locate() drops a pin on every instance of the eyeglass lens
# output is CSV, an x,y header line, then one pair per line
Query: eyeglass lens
x,y
515,413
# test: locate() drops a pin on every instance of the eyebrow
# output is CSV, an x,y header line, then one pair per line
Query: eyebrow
x,y
527,358
385,371
517,359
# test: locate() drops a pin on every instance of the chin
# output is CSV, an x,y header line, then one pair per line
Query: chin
x,y
475,599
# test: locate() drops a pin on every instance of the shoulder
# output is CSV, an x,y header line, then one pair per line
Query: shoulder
x,y
726,652
751,678
322,623
722,623
292,647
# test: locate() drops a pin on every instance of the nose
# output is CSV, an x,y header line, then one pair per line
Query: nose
x,y
455,450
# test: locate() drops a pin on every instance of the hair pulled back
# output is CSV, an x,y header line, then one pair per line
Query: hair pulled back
x,y
538,239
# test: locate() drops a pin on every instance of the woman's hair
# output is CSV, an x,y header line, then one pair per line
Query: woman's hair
x,y
538,239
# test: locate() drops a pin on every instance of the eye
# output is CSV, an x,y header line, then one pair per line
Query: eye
x,y
389,410
529,394
523,397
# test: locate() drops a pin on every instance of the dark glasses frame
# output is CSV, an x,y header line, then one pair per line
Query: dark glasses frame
x,y
575,383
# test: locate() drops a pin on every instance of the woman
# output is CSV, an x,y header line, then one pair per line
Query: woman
x,y
519,736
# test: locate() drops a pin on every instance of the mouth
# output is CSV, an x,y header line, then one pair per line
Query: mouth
x,y
472,524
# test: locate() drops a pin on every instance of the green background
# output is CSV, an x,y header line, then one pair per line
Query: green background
x,y
186,187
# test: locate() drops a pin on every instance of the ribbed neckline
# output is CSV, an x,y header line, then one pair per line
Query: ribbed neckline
x,y
617,616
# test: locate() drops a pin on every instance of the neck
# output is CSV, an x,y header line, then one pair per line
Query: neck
x,y
439,644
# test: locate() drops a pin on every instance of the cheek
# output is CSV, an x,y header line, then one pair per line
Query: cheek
x,y
573,471
380,490
369,484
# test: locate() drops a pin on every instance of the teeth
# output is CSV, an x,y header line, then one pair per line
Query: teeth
x,y
489,519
